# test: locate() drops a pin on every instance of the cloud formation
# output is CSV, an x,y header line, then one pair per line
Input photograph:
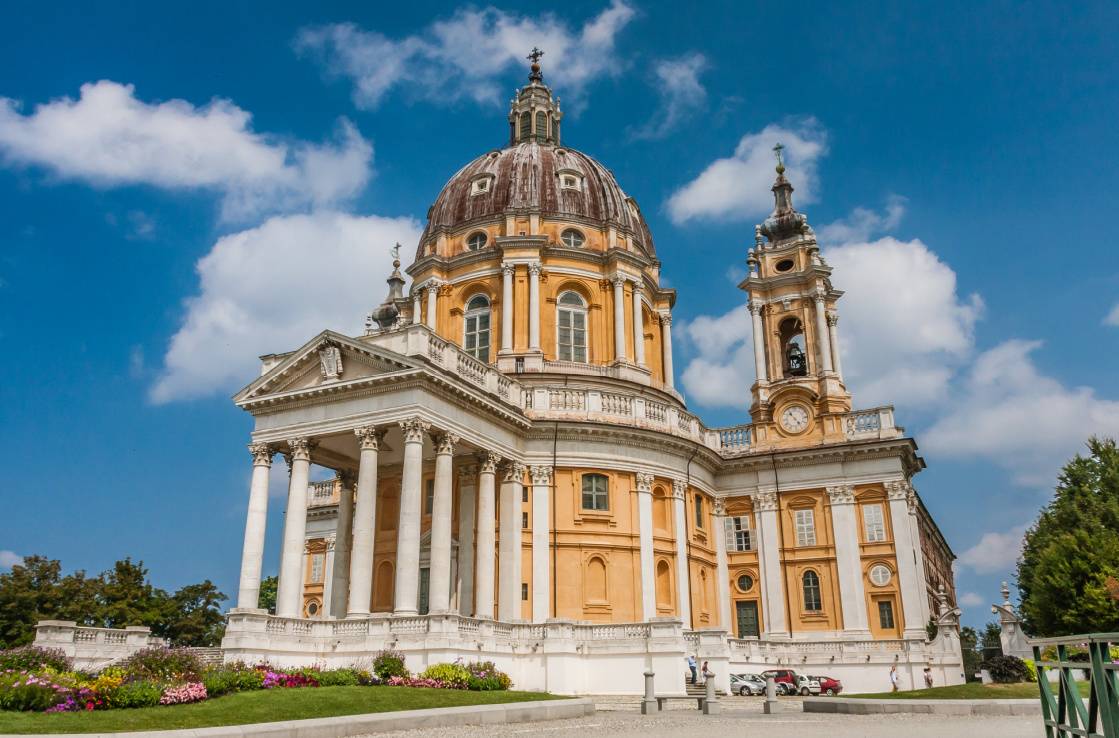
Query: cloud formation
x,y
971,599
1011,413
1112,318
270,289
108,137
996,552
680,91
8,559
468,55
738,186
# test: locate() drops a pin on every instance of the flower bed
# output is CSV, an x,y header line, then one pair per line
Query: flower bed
x,y
43,680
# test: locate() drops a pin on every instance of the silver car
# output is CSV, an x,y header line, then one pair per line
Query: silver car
x,y
747,684
807,685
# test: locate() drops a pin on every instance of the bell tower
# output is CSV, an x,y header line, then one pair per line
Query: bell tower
x,y
799,391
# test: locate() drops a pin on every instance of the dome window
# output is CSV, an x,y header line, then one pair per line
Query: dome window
x,y
572,238
785,265
569,179
476,241
571,327
476,328
481,185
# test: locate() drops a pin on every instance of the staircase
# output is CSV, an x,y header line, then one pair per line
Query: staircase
x,y
209,656
697,689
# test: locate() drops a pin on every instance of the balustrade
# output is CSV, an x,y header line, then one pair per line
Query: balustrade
x,y
615,404
656,411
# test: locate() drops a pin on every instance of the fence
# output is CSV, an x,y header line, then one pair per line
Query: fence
x,y
1065,713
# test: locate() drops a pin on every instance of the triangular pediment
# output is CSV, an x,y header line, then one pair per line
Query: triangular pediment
x,y
327,359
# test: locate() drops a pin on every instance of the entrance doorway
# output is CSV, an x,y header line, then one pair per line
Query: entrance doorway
x,y
747,616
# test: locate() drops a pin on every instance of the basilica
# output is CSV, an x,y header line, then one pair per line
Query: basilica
x,y
518,478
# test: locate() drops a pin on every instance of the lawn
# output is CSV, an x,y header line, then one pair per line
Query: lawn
x,y
261,706
969,691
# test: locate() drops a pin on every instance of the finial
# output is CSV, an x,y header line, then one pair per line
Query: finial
x,y
780,164
396,255
534,56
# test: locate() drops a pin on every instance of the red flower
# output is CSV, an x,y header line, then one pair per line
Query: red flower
x,y
89,705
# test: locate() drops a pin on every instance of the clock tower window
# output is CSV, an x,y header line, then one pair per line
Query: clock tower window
x,y
792,348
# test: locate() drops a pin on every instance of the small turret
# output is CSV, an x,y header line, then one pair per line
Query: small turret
x,y
386,314
534,115
785,222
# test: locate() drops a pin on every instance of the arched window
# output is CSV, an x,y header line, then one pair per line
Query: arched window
x,y
541,126
596,590
571,327
476,328
526,126
664,584
794,359
811,585
572,238
476,241
596,492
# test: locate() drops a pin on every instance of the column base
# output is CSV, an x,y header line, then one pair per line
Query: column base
x,y
405,612
245,611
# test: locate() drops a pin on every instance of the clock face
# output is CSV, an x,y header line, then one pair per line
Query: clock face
x,y
794,419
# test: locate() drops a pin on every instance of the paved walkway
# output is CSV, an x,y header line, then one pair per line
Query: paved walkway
x,y
618,717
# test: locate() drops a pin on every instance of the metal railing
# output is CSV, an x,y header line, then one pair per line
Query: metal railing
x,y
1065,712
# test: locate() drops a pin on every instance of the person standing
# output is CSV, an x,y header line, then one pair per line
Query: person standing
x,y
894,678
692,666
705,672
928,678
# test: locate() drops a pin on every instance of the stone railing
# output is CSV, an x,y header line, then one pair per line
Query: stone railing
x,y
321,493
94,648
736,439
617,408
875,423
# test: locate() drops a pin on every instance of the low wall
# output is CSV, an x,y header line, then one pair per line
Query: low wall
x,y
842,706
94,648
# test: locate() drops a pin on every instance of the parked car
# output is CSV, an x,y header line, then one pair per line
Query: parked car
x,y
747,684
807,685
828,685
785,679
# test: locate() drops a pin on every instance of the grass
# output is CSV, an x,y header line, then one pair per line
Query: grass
x,y
969,691
263,706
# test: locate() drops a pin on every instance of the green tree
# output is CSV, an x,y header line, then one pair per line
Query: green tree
x,y
969,644
128,598
194,616
267,599
35,590
1071,555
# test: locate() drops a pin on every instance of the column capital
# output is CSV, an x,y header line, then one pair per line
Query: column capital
x,y
508,268
898,489
638,286
765,501
841,494
433,284
833,319
679,487
348,478
644,482
262,453
444,442
665,318
618,280
514,471
301,448
468,474
534,268
541,475
414,429
488,461
720,507
755,307
369,437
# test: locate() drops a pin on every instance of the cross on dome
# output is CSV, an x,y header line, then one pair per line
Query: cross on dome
x,y
534,56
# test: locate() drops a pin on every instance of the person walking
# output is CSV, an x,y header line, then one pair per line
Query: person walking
x,y
692,666
707,673
928,678
894,678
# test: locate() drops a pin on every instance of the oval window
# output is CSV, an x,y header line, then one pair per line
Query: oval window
x,y
476,241
745,582
879,575
572,238
785,265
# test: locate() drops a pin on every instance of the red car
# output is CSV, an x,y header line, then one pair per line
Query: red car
x,y
785,679
828,685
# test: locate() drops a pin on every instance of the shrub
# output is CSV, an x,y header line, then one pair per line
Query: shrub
x,y
163,665
33,658
183,693
453,676
338,678
486,677
1031,670
232,678
388,664
1006,669
23,690
134,694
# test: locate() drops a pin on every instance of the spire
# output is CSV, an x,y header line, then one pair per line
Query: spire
x,y
386,314
785,222
534,115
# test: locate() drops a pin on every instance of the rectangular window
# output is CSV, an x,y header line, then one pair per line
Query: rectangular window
x,y
805,528
874,523
886,614
524,520
740,537
524,591
524,494
698,511
429,497
318,563
595,492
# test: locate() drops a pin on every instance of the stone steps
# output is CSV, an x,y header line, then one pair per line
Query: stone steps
x,y
208,656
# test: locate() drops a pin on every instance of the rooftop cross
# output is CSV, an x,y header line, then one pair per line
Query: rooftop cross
x,y
535,55
777,152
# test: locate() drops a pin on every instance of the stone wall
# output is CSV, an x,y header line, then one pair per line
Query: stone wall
x,y
94,648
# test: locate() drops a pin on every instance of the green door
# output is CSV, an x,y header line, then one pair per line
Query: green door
x,y
747,611
425,586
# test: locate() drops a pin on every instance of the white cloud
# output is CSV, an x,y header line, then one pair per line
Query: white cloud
x,y
271,288
680,91
1112,318
722,371
996,552
468,55
109,137
738,187
863,223
8,559
971,599
1029,423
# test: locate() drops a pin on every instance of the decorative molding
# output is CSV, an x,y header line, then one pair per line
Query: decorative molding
x,y
833,319
644,482
898,489
541,475
842,494
534,268
330,362
301,448
369,437
444,443
755,307
514,471
618,281
414,429
765,501
262,453
488,461
720,508
666,318
508,268
679,487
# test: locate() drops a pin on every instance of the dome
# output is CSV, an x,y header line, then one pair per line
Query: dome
x,y
531,177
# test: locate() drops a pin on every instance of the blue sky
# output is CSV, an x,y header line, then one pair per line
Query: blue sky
x,y
182,189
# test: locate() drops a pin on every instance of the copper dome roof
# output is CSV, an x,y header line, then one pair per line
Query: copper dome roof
x,y
526,178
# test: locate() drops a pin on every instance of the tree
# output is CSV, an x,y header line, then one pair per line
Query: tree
x,y
194,616
267,598
128,598
1072,551
35,590
969,642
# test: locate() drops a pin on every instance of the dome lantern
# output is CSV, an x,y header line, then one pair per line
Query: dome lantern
x,y
534,115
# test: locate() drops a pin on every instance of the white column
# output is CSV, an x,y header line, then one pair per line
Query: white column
x,y
852,594
833,336
666,348
483,571
619,318
343,536
919,555
683,569
534,306
467,482
509,561
722,590
365,519
909,579
769,561
439,597
289,590
256,521
417,316
638,325
507,307
822,333
759,341
541,571
645,537
407,580
432,302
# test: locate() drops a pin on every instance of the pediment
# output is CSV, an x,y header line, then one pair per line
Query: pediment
x,y
328,359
